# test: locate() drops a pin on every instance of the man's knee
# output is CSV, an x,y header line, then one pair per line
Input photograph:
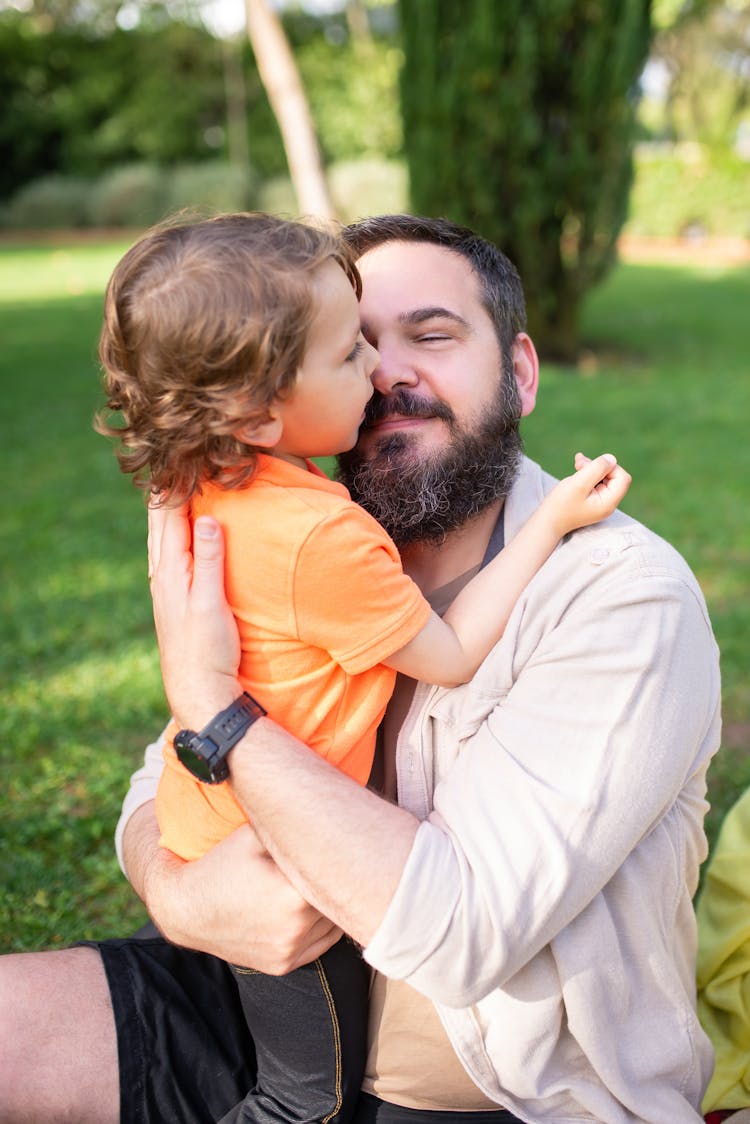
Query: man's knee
x,y
57,1039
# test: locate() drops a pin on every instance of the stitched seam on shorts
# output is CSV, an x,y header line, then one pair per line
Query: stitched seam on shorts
x,y
336,1039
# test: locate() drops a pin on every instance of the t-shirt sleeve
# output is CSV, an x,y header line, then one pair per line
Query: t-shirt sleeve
x,y
352,596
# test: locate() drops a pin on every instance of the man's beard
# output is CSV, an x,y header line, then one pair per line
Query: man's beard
x,y
423,498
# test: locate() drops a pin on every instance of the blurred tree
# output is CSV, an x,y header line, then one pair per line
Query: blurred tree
x,y
280,76
352,84
519,121
358,21
78,101
82,92
238,149
704,47
103,16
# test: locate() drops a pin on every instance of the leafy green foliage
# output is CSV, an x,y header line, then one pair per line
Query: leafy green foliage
x,y
518,121
80,101
130,195
689,188
77,102
52,202
353,92
705,55
83,98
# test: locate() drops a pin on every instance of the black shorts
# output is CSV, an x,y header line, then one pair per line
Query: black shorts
x,y
185,1053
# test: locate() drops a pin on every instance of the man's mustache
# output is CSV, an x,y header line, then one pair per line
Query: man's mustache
x,y
404,404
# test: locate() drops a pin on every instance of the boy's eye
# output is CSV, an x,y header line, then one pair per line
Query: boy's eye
x,y
355,351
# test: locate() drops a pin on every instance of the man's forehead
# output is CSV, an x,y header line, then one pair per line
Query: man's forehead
x,y
407,277
412,253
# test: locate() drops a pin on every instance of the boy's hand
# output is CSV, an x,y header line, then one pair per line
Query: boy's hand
x,y
590,495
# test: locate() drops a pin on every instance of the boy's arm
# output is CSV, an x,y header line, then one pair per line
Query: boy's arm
x,y
449,651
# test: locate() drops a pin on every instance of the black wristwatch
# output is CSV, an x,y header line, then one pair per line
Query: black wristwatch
x,y
204,754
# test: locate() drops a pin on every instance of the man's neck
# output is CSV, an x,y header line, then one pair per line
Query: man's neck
x,y
434,565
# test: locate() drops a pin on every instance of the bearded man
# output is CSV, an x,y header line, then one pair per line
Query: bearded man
x,y
520,873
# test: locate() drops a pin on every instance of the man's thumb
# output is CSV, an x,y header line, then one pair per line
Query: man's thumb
x,y
208,547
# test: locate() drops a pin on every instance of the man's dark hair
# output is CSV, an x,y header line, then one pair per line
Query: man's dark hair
x,y
499,282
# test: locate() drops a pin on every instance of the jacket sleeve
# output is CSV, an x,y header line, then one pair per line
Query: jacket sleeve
x,y
610,708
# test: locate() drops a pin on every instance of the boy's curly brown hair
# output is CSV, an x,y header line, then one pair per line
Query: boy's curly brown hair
x,y
205,326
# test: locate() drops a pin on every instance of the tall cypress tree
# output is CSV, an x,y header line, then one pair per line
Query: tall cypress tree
x,y
519,121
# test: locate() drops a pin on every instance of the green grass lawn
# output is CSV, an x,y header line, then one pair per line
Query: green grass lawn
x,y
666,386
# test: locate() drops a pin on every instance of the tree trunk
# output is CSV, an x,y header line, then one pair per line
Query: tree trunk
x,y
358,22
280,77
555,329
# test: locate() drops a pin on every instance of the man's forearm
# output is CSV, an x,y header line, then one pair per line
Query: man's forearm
x,y
343,847
140,844
153,873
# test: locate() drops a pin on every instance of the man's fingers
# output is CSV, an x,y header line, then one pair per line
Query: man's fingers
x,y
155,523
321,944
208,543
173,525
168,534
208,564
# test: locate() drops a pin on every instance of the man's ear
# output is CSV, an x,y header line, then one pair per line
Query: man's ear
x,y
265,432
526,370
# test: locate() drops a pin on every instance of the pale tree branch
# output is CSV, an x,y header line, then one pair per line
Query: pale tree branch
x,y
281,79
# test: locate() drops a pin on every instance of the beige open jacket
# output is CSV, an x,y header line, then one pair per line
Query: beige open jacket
x,y
546,904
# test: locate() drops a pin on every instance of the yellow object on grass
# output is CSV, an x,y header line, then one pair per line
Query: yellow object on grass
x,y
723,912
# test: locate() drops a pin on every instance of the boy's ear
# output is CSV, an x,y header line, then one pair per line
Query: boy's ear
x,y
265,433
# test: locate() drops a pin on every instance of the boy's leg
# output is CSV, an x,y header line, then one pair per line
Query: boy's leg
x,y
310,1034
57,1039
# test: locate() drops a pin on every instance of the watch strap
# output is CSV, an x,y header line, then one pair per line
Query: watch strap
x,y
229,725
221,734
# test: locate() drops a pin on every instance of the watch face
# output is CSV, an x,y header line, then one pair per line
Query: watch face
x,y
192,761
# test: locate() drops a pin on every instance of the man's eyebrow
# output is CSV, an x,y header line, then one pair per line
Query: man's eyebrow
x,y
432,312
418,316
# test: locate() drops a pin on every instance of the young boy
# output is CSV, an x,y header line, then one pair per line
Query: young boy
x,y
233,350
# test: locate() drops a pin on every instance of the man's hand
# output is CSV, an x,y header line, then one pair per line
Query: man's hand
x,y
236,904
198,638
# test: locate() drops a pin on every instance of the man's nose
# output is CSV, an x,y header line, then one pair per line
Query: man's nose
x,y
393,371
372,359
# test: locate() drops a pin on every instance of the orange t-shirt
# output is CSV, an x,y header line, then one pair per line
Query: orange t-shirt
x,y
318,591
